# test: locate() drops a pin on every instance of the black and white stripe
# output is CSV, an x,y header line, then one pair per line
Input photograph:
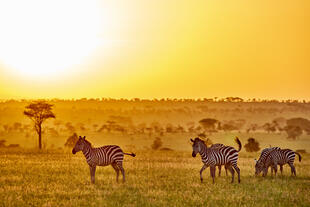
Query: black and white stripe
x,y
279,157
262,158
218,145
213,157
102,156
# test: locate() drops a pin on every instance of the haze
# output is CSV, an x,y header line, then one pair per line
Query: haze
x,y
164,48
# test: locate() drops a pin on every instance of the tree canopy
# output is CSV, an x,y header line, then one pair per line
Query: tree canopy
x,y
38,112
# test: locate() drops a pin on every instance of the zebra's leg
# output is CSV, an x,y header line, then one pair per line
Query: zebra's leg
x,y
120,166
116,170
225,169
275,167
201,170
281,169
92,173
220,168
232,172
238,171
265,171
212,172
293,170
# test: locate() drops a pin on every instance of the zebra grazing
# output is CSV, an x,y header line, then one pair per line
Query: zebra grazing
x,y
218,145
212,157
278,157
102,156
263,156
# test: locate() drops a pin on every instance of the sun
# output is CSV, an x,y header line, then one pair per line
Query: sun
x,y
44,38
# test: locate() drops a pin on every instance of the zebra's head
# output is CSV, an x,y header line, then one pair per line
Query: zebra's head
x,y
196,146
79,146
259,166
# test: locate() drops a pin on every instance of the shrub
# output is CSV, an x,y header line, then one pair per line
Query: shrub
x,y
293,131
157,143
252,145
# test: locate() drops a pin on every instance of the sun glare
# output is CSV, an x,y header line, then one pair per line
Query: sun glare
x,y
42,38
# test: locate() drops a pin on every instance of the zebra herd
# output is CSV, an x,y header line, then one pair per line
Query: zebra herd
x,y
215,155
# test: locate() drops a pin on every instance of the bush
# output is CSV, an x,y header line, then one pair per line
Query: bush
x,y
2,142
293,131
252,145
157,143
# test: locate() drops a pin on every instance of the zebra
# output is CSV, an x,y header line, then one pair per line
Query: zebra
x,y
218,145
212,157
102,156
278,157
262,157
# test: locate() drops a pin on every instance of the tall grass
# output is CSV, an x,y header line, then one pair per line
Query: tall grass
x,y
154,178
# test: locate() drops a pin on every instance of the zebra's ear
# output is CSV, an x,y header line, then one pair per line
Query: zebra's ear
x,y
192,140
84,137
80,137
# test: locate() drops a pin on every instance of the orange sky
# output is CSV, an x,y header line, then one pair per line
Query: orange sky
x,y
163,48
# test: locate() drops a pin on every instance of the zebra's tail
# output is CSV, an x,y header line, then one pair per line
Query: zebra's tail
x,y
239,143
132,154
298,156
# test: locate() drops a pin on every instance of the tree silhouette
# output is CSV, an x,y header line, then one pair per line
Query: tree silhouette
x,y
38,112
252,145
157,143
208,124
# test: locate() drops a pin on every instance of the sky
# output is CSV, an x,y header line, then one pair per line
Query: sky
x,y
155,49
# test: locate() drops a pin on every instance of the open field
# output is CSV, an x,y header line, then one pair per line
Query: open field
x,y
154,178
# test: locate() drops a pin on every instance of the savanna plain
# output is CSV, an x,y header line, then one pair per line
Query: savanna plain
x,y
166,175
153,179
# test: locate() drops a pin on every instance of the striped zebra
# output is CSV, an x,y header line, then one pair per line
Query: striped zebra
x,y
213,157
102,156
278,157
263,156
218,145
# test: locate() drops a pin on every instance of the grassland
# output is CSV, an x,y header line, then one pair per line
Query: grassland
x,y
154,178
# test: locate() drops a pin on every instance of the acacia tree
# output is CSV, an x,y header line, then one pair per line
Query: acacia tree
x,y
208,124
38,112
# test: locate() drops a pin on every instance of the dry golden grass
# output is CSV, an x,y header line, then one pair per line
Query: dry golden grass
x,y
154,178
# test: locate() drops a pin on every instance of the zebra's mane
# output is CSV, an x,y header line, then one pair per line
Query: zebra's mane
x,y
197,139
88,143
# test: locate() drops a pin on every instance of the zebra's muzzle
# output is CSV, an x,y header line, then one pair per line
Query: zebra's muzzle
x,y
194,154
73,151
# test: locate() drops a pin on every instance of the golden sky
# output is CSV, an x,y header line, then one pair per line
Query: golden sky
x,y
155,49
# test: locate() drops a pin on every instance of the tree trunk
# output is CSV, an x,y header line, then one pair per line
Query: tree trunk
x,y
40,137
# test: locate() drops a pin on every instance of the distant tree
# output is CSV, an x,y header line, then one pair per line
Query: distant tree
x,y
233,99
71,140
38,112
169,128
53,132
208,124
157,143
252,127
17,126
95,126
302,123
293,132
269,127
279,123
207,141
2,142
70,127
252,145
